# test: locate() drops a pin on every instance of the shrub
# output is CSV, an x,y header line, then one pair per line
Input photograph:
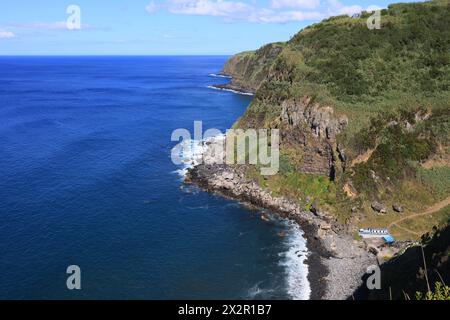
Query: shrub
x,y
441,292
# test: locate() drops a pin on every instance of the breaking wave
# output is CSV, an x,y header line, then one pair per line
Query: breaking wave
x,y
293,260
192,153
231,90
219,76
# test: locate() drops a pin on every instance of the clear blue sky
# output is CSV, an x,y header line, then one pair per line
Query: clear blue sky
x,y
146,27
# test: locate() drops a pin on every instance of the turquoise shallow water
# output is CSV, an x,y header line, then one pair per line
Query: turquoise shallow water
x,y
86,179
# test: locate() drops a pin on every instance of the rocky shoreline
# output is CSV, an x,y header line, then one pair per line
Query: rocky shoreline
x,y
336,262
233,88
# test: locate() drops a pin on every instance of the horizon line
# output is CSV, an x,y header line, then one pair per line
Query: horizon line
x,y
118,55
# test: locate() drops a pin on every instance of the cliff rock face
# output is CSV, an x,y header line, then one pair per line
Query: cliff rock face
x,y
321,120
249,69
305,85
314,128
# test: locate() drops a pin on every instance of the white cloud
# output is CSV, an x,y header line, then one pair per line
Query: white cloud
x,y
373,8
4,34
333,4
270,16
281,11
58,25
234,10
303,4
337,8
218,8
151,7
350,10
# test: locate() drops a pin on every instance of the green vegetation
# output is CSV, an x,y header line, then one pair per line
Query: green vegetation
x,y
441,292
250,68
410,53
437,178
423,224
340,62
393,84
400,143
303,188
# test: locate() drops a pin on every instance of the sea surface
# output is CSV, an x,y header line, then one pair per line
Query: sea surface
x,y
86,179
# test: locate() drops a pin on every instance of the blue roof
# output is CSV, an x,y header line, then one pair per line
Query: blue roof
x,y
388,239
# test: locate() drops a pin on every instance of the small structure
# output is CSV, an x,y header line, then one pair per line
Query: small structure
x,y
389,239
373,233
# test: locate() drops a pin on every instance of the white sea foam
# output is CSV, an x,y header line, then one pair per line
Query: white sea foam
x,y
193,152
231,90
293,260
219,75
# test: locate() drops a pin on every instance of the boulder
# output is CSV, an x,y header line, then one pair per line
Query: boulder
x,y
321,234
378,207
325,226
315,209
373,250
228,175
397,208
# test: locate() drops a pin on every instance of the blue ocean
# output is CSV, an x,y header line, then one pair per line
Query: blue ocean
x,y
86,179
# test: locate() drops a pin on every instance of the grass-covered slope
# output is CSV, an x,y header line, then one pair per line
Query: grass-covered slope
x,y
249,69
341,62
385,96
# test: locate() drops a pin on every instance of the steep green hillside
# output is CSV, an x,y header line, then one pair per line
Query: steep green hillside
x,y
340,61
370,109
249,69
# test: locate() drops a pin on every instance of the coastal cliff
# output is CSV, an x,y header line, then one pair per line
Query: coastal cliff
x,y
367,108
365,134
249,69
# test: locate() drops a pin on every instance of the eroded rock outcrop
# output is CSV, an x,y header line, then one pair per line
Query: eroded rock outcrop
x,y
314,128
322,121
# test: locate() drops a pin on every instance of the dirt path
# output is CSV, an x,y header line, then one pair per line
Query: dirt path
x,y
436,207
407,230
